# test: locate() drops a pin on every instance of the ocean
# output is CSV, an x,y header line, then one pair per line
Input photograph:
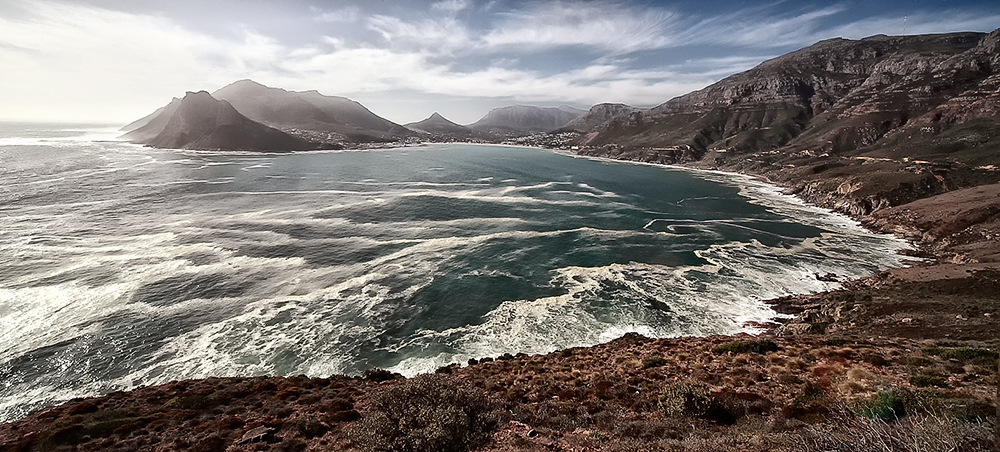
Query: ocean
x,y
123,266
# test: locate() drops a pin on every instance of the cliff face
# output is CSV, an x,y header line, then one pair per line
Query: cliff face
x,y
521,119
199,121
853,125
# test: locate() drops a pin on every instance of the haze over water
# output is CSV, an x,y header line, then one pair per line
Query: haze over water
x,y
123,266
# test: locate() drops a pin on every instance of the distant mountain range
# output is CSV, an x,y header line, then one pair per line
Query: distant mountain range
x,y
811,117
518,120
326,121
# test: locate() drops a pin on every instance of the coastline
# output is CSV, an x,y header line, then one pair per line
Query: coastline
x,y
834,359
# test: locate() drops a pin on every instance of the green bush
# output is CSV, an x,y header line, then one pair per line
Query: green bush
x,y
762,347
685,398
886,406
426,413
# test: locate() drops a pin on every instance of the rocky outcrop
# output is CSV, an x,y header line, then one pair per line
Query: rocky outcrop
x,y
522,120
327,119
199,121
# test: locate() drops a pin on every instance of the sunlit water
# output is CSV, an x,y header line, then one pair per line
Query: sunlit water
x,y
123,266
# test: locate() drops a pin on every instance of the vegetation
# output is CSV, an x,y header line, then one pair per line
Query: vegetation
x,y
758,346
427,413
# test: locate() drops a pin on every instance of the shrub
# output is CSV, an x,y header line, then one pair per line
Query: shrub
x,y
981,356
874,359
685,398
923,381
426,413
377,375
653,361
762,347
915,361
886,406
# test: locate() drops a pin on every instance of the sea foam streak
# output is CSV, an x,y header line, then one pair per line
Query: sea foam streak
x,y
123,266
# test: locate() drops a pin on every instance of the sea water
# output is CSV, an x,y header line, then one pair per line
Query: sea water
x,y
123,266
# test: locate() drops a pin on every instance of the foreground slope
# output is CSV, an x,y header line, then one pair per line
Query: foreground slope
x,y
691,394
199,121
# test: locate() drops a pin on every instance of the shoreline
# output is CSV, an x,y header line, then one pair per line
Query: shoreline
x,y
918,347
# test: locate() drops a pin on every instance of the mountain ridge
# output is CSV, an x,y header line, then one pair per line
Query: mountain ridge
x,y
844,123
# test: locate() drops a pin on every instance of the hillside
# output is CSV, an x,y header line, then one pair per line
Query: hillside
x,y
856,126
199,121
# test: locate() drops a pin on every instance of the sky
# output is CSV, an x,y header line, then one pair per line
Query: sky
x,y
113,61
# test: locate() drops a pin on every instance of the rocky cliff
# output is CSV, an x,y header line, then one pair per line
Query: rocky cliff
x,y
199,121
854,125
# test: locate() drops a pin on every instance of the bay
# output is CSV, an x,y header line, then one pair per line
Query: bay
x,y
123,266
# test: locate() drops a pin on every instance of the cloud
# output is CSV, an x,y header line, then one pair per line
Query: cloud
x,y
452,6
611,28
80,57
97,63
441,35
762,28
349,14
758,27
918,23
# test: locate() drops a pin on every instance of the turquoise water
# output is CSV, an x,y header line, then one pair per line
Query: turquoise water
x,y
125,266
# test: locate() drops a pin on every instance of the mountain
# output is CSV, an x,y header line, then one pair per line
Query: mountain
x,y
156,121
855,125
310,114
199,121
436,124
598,115
522,120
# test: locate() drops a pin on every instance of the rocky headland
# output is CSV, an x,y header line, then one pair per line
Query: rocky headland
x,y
200,121
902,133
